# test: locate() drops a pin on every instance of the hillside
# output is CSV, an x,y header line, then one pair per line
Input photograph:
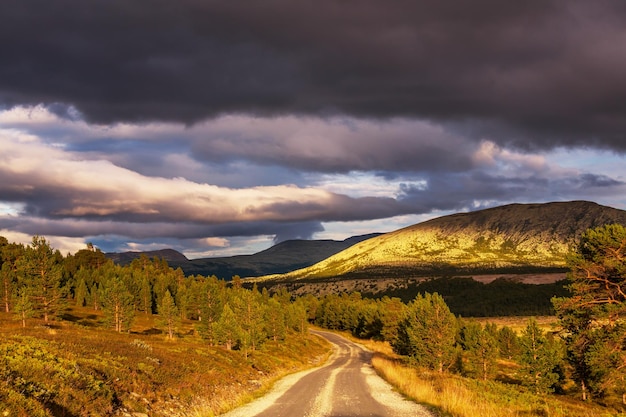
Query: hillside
x,y
280,258
512,238
170,255
79,367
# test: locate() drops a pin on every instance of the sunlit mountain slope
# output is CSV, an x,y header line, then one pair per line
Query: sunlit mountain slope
x,y
516,237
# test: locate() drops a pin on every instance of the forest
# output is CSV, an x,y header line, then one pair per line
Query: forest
x,y
471,298
73,325
584,356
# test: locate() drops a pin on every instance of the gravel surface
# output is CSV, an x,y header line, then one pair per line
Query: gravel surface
x,y
345,386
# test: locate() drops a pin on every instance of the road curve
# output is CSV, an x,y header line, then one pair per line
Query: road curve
x,y
346,386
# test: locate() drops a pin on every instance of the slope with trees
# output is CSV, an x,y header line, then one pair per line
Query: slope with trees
x,y
589,349
81,333
517,238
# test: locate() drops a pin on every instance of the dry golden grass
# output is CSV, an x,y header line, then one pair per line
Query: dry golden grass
x,y
456,396
451,395
519,323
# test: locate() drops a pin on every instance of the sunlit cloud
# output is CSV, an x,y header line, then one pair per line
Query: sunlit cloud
x,y
63,244
238,183
97,188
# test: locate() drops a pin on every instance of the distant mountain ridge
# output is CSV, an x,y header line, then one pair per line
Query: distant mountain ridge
x,y
516,237
124,258
283,257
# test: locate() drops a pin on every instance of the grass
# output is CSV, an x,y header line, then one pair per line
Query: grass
x,y
519,323
73,368
451,395
456,396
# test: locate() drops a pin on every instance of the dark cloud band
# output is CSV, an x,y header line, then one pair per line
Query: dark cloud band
x,y
537,73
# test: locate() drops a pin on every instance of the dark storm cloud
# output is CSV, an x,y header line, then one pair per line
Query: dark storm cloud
x,y
283,147
111,236
161,230
334,144
534,73
590,181
456,192
304,230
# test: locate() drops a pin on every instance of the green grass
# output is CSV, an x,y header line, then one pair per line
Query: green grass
x,y
72,368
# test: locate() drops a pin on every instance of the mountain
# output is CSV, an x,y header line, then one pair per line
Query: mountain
x,y
170,255
280,258
513,238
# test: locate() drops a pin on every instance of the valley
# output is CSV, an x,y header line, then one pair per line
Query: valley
x,y
512,241
379,287
141,337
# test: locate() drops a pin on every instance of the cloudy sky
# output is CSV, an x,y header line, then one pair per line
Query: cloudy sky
x,y
221,127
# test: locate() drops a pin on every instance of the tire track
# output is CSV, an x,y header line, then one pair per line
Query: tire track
x,y
346,386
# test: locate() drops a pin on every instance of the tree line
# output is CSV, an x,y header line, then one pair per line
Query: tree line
x,y
429,335
500,297
36,281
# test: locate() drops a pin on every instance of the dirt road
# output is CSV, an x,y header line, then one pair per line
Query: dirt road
x,y
346,386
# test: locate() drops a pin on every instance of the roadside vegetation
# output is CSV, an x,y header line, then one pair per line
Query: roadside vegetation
x,y
468,367
80,336
70,368
454,395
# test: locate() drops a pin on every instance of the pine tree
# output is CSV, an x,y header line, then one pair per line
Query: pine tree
x,y
391,312
193,285
23,306
145,295
168,314
41,271
592,316
274,319
539,359
311,305
606,360
508,343
427,334
94,297
481,349
227,330
598,277
296,317
10,258
81,292
183,300
117,301
236,282
90,258
247,307
211,299
8,279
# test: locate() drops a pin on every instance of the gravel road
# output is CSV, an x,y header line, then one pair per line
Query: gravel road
x,y
346,386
